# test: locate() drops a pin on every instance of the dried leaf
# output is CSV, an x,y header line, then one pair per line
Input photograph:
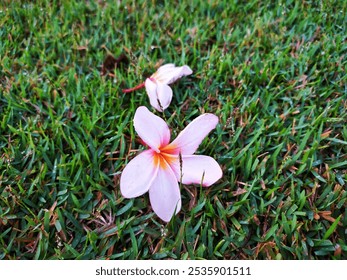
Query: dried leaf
x,y
110,63
239,191
338,250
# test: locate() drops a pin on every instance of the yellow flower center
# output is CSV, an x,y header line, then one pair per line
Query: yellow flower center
x,y
163,159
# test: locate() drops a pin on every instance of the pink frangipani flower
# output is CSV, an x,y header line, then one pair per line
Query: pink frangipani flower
x,y
159,169
159,93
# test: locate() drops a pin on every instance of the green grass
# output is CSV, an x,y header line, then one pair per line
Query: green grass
x,y
275,74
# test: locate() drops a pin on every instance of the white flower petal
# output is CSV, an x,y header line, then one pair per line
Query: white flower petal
x,y
165,194
152,129
191,137
152,92
168,73
151,89
164,96
199,169
166,67
138,175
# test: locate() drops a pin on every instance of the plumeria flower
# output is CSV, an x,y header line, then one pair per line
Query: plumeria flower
x,y
159,169
159,93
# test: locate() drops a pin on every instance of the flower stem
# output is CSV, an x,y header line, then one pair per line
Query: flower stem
x,y
134,88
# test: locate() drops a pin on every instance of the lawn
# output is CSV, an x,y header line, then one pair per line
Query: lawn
x,y
274,72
